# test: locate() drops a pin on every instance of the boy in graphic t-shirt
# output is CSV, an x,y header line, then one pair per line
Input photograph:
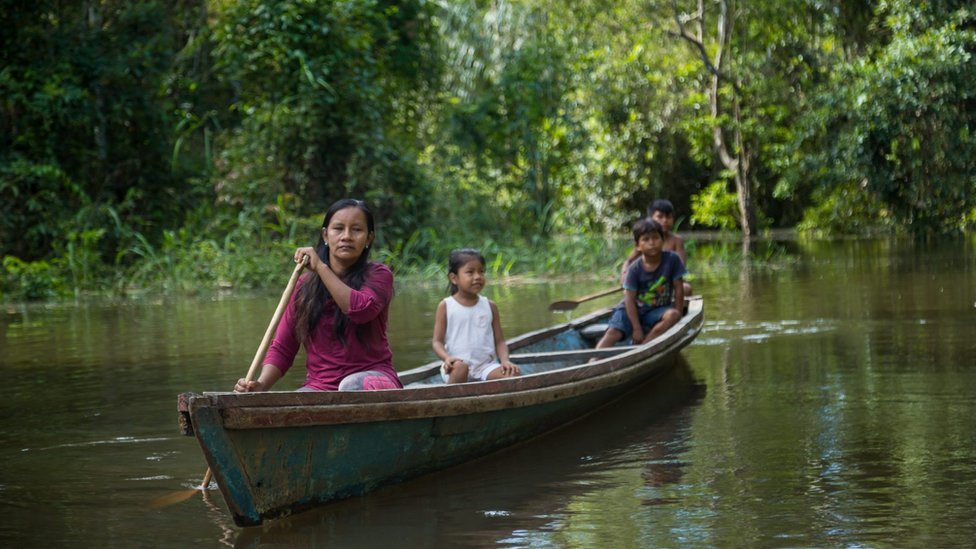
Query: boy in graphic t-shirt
x,y
653,290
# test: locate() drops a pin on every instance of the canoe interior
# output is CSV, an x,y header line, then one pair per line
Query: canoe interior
x,y
552,348
534,355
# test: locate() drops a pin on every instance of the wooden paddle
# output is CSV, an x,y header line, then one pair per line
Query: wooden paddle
x,y
570,304
170,499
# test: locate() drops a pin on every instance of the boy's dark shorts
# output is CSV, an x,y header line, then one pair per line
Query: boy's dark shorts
x,y
648,318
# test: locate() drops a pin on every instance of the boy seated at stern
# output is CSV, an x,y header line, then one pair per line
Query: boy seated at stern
x,y
654,292
662,211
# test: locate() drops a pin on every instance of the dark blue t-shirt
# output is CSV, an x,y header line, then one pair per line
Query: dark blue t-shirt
x,y
655,288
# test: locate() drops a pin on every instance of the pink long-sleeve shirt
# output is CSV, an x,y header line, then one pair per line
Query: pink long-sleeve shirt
x,y
328,359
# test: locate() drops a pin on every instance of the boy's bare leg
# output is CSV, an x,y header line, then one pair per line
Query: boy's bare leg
x,y
670,318
610,338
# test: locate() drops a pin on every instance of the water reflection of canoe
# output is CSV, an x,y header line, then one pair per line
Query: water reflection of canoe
x,y
280,452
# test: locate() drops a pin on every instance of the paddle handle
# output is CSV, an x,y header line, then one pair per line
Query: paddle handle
x,y
206,479
285,296
570,304
263,347
598,294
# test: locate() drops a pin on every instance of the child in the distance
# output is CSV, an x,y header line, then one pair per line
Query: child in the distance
x,y
467,329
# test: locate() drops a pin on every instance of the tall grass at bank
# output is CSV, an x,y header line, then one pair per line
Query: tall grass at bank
x,y
728,256
252,250
189,263
425,255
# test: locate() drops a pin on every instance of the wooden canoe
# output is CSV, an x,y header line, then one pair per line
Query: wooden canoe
x,y
276,453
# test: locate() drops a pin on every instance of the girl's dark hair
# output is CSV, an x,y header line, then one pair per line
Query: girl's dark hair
x,y
313,295
647,226
457,259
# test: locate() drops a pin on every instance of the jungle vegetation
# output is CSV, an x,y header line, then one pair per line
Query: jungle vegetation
x,y
187,144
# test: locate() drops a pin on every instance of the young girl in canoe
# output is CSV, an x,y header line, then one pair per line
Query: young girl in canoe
x,y
338,312
467,329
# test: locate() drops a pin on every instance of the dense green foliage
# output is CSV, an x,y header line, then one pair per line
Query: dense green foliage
x,y
180,145
890,138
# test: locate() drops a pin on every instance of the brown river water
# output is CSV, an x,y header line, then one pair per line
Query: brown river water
x,y
829,401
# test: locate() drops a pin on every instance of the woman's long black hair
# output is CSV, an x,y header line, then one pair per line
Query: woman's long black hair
x,y
313,294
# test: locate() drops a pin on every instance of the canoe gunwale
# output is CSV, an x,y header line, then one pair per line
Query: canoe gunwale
x,y
243,417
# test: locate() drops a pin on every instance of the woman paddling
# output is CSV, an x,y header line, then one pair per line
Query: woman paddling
x,y
339,312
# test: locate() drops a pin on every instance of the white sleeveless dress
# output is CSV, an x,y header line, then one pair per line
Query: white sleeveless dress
x,y
470,338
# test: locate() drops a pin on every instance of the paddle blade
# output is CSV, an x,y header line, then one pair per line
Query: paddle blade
x,y
565,305
570,304
172,499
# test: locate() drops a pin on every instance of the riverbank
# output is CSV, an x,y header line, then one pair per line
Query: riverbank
x,y
188,271
197,270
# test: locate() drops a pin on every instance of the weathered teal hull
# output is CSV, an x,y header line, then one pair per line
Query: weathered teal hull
x,y
276,453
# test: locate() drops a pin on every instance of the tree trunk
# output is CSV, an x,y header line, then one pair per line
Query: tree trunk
x,y
739,163
743,186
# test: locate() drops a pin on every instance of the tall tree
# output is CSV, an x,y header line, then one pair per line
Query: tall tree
x,y
329,96
893,141
86,121
507,113
734,152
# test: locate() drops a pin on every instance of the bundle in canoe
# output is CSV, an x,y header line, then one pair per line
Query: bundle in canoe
x,y
276,453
